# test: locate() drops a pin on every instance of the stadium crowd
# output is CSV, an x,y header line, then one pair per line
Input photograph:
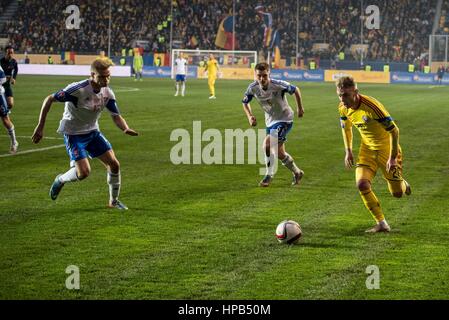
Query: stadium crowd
x,y
4,4
403,34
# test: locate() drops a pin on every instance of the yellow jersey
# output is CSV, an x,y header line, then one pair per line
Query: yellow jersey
x,y
371,119
212,68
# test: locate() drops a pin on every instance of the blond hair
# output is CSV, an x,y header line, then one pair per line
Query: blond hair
x,y
101,64
346,82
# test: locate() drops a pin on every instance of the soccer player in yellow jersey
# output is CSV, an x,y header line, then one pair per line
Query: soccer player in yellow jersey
x,y
379,148
212,69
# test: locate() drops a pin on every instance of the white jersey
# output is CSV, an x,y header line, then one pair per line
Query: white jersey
x,y
2,80
272,100
83,107
181,66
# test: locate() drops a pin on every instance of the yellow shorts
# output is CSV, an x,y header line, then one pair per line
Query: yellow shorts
x,y
377,159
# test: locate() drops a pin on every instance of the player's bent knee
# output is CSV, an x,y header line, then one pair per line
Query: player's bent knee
x,y
83,173
281,154
397,194
114,166
364,185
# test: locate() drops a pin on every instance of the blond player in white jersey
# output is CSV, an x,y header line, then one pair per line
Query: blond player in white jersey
x,y
181,73
270,94
84,102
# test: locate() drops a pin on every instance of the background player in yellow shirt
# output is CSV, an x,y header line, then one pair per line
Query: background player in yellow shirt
x,y
212,70
379,148
138,66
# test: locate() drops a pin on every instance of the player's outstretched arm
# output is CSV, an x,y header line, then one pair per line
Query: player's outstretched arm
x,y
299,106
251,118
39,130
121,123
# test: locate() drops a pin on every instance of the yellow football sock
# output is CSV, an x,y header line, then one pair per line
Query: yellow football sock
x,y
372,204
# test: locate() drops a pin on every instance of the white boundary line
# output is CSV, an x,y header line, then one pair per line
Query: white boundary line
x,y
125,89
31,151
29,137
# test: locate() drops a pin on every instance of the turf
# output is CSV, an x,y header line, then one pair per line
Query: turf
x,y
207,231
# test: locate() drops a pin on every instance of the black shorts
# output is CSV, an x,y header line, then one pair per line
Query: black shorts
x,y
8,90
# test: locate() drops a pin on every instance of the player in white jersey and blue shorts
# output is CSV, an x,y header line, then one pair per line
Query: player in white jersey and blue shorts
x,y
84,102
270,94
4,114
181,73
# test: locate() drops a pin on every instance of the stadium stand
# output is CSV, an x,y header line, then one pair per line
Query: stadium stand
x,y
405,26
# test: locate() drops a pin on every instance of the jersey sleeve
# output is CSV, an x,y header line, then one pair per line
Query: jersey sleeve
x,y
248,95
381,115
68,94
16,70
344,121
2,77
286,86
111,104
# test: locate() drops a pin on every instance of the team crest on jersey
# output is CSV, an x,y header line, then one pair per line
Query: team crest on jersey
x,y
61,94
365,119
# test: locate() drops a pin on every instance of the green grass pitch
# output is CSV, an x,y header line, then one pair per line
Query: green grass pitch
x,y
207,231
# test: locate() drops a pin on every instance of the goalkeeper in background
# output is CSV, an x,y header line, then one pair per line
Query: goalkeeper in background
x,y
379,148
138,66
212,70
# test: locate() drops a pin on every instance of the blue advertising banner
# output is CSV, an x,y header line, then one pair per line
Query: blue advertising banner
x,y
417,78
298,75
165,72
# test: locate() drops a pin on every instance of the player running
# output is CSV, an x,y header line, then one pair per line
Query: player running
x,y
181,73
379,148
4,114
270,94
84,102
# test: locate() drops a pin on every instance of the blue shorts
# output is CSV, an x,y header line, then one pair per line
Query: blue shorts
x,y
81,146
4,111
180,77
281,129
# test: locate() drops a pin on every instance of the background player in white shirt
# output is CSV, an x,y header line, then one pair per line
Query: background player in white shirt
x,y
4,114
84,102
270,94
181,73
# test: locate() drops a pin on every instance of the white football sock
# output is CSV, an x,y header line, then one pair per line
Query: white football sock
x,y
12,135
269,163
69,176
183,88
289,163
114,185
177,87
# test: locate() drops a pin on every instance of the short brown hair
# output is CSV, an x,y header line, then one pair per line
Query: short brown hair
x,y
346,82
262,66
101,64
